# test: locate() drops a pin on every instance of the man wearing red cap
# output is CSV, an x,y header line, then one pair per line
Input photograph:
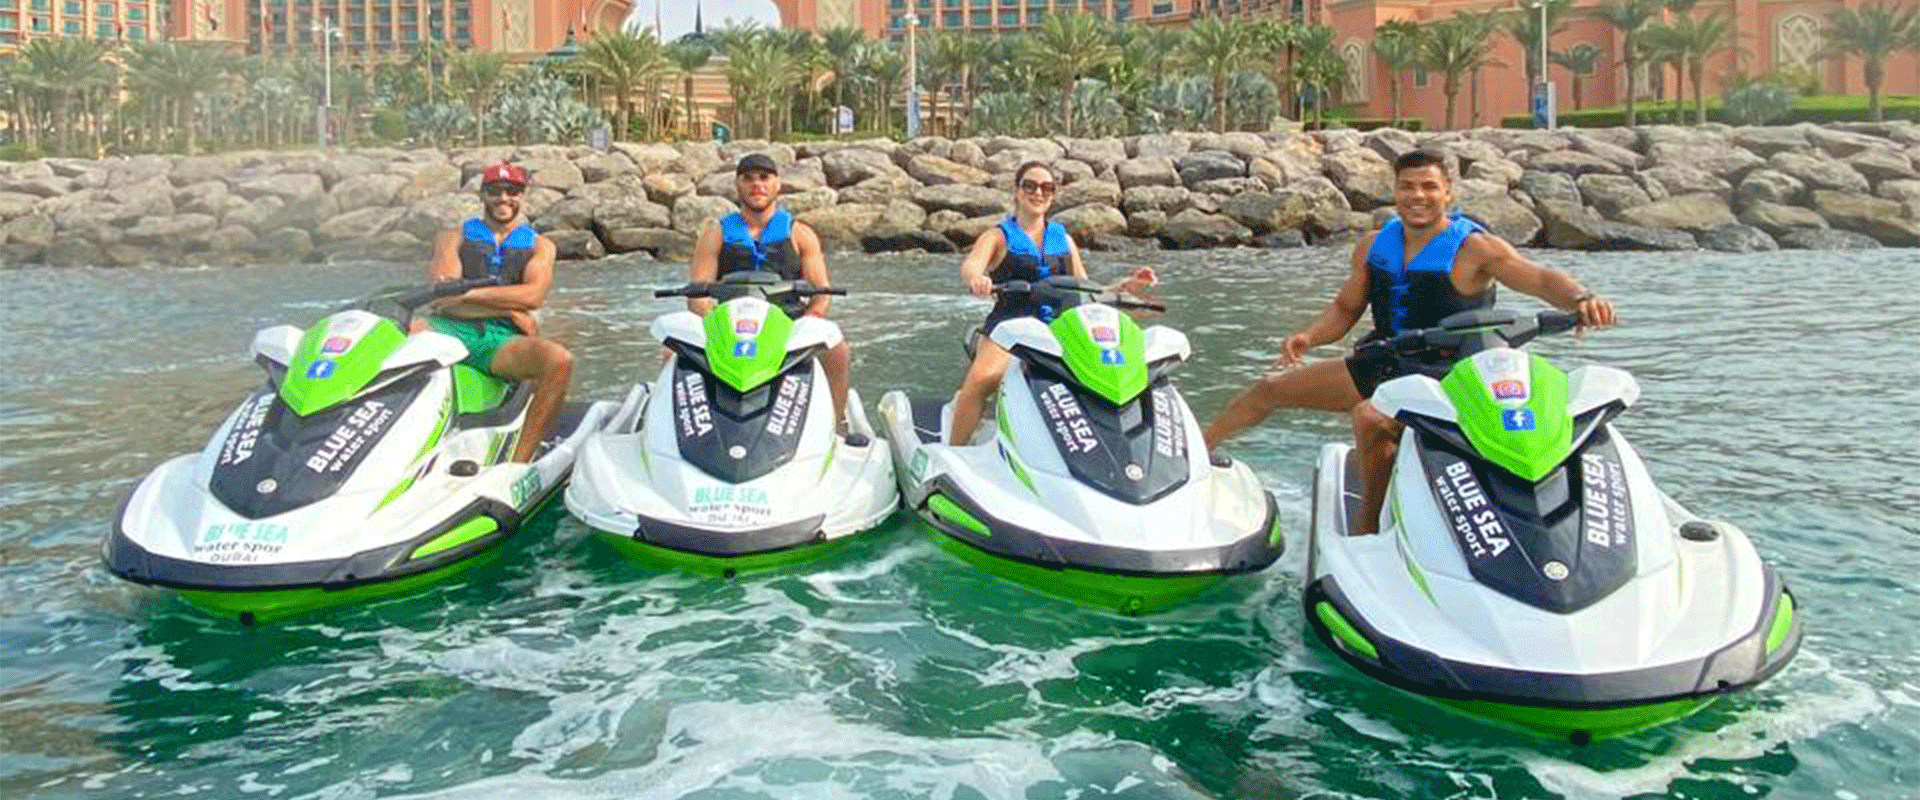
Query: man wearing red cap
x,y
496,322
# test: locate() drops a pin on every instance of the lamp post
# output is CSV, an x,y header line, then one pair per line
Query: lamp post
x,y
327,31
913,78
1545,112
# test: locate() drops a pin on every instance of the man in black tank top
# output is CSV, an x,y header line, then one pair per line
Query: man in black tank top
x,y
1422,196
756,183
498,322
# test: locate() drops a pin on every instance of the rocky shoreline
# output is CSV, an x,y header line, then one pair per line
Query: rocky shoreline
x,y
1652,188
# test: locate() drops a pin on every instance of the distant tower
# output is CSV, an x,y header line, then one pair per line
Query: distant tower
x,y
698,29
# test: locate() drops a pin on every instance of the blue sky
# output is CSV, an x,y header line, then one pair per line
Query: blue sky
x,y
676,16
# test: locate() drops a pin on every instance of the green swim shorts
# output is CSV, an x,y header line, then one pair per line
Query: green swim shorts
x,y
482,337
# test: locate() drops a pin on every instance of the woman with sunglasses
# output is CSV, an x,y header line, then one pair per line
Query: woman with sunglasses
x,y
1026,246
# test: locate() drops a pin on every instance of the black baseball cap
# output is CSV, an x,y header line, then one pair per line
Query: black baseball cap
x,y
756,162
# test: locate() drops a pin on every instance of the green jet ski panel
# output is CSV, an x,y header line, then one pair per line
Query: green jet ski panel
x,y
1527,439
476,391
1115,370
329,367
746,352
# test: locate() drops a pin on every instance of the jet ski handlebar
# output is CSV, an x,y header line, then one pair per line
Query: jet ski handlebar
x,y
1067,291
727,290
415,298
1470,332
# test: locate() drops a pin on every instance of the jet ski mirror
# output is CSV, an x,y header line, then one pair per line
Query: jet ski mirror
x,y
769,285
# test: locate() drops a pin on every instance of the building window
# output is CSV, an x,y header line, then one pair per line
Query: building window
x,y
1162,9
71,7
103,10
924,5
950,19
9,5
72,28
9,22
982,19
103,30
1122,9
136,33
1586,50
897,5
411,34
1009,17
136,12
1420,77
40,5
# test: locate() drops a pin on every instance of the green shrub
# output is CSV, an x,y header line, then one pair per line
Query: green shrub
x,y
19,151
389,125
1372,123
1758,103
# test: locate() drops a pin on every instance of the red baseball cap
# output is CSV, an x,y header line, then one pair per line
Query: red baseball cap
x,y
504,172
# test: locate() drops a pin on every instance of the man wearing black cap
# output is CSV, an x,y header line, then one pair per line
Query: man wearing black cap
x,y
496,322
761,236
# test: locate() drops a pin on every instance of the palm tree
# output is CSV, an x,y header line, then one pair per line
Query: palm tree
x,y
1578,62
884,68
976,50
623,63
1630,17
1690,41
476,76
1398,44
178,73
62,68
1275,42
1455,47
1066,48
1524,26
842,46
1873,32
687,58
944,61
1319,66
1219,47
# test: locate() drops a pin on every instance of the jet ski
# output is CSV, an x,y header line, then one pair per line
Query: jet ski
x,y
369,461
1527,570
1088,480
729,461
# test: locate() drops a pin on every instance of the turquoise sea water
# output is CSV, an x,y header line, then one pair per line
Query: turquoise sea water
x,y
1778,393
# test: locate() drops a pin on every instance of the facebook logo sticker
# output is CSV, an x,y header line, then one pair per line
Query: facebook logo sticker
x,y
1517,419
320,369
745,349
1112,357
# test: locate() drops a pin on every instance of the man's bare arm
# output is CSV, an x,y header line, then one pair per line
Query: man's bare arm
x,y
705,266
1493,256
1347,305
813,266
528,295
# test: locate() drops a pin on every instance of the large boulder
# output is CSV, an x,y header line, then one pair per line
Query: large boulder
x,y
969,153
964,230
1498,170
289,187
629,211
1688,212
597,167
375,190
1266,212
1573,162
1771,186
1166,199
840,227
692,213
969,200
936,171
1819,172
1765,142
718,184
200,169
1884,220
1620,156
1146,223
36,230
229,239
393,247
151,198
666,188
308,213
1721,159
1671,180
13,204
801,202
1205,165
252,216
1101,154
901,227
1389,143
656,158
1066,172
1083,193
1612,194
1904,191
1158,145
1006,155
1576,227
1841,144
1882,164
804,175
1824,239
881,190
176,231
1777,219
1549,187
283,245
1737,238
852,165
1224,187
425,219
430,180
1194,229
576,245
784,154
1086,222
1362,175
662,243
358,224
1504,217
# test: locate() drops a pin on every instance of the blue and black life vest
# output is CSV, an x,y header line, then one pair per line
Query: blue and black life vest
x,y
773,251
1420,294
1026,262
481,256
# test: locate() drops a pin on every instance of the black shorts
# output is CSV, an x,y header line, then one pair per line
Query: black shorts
x,y
1371,366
